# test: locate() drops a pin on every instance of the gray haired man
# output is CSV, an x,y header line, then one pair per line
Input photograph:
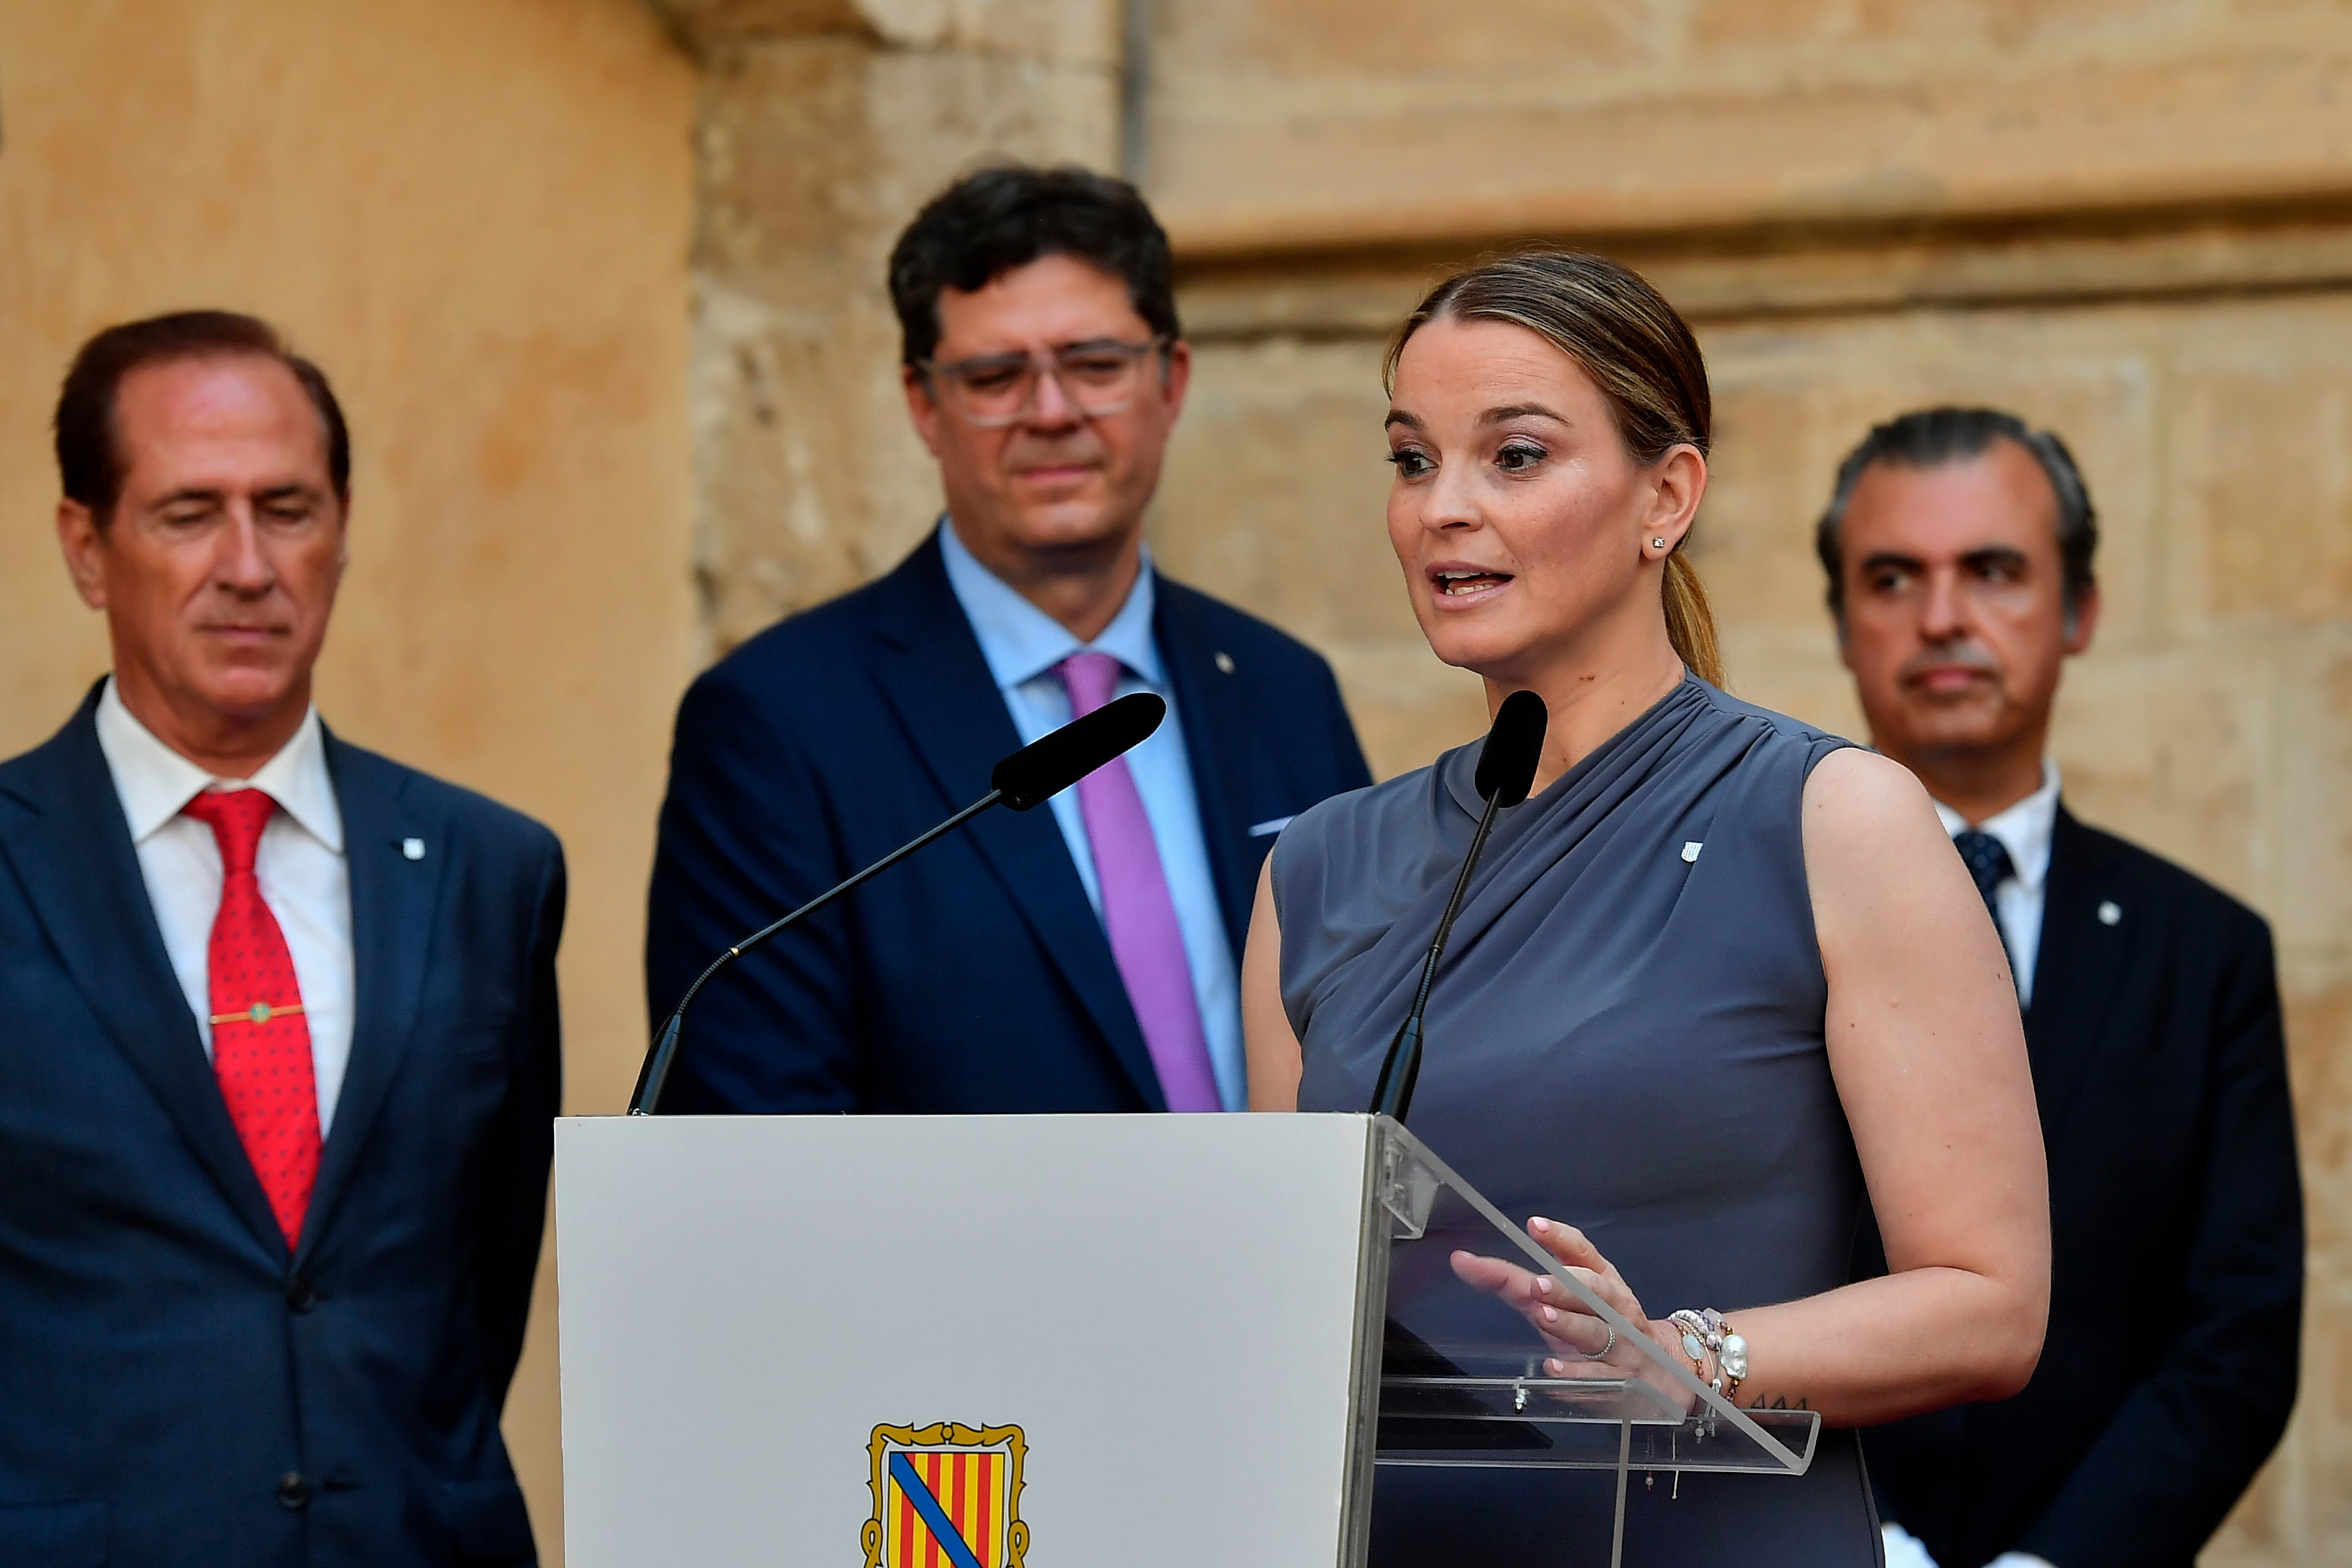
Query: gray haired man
x,y
1958,545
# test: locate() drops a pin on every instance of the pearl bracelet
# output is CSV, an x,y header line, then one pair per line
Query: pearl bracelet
x,y
1718,1354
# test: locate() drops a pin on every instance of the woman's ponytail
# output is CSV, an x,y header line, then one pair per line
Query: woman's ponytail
x,y
1690,624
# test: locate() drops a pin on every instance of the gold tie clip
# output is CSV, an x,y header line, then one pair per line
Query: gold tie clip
x,y
260,1013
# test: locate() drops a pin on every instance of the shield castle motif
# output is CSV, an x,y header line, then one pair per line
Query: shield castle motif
x,y
946,1495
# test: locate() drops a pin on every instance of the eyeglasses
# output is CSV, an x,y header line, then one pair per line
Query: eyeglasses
x,y
993,391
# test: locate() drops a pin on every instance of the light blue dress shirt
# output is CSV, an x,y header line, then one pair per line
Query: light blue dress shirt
x,y
1021,645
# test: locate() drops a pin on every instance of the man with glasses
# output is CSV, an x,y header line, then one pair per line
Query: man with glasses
x,y
1080,959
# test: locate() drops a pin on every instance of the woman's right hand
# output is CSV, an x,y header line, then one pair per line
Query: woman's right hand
x,y
1583,1343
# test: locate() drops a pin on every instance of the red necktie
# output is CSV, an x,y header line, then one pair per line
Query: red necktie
x,y
261,1042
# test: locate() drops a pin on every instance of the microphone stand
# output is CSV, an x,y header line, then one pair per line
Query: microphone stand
x,y
1392,1096
655,1075
1506,770
1029,777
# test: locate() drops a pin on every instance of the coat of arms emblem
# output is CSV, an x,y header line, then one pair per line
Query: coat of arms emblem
x,y
946,1495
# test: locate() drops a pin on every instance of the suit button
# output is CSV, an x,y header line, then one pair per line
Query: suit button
x,y
299,1296
293,1491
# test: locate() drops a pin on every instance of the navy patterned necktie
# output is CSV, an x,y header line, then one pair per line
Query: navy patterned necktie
x,y
1987,862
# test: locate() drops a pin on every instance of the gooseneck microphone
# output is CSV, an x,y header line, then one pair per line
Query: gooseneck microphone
x,y
1029,777
1506,770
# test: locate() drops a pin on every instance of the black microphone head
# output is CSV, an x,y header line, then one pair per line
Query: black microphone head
x,y
1506,763
1052,764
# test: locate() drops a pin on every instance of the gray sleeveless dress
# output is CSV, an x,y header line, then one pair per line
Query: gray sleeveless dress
x,y
1625,1034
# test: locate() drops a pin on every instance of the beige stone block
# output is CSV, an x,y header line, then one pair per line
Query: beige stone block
x,y
1808,280
942,114
1749,25
1793,673
1753,541
1250,163
1285,40
707,26
2047,266
2318,998
2292,12
1244,304
813,480
2172,752
1068,31
1061,32
1408,708
783,157
1796,398
1995,26
1275,491
816,153
1065,32
2265,453
2310,830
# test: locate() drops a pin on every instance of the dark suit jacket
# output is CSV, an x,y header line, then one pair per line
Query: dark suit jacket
x,y
174,1387
975,976
2176,1234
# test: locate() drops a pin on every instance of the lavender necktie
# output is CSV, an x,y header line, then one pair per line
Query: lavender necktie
x,y
1146,941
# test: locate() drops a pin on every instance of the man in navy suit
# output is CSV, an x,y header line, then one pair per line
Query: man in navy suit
x,y
280,1060
1958,545
1082,958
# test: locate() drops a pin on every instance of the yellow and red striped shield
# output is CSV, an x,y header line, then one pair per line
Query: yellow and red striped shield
x,y
946,1495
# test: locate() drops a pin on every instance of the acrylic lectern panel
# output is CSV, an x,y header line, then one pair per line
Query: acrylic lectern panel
x,y
1462,1373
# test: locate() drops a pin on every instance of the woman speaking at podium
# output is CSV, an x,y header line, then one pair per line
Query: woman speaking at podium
x,y
1717,977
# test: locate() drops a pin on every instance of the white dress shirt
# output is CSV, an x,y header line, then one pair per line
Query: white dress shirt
x,y
1904,1551
305,879
1022,644
2024,831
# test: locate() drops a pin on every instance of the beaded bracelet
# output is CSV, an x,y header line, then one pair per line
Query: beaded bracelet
x,y
1712,1343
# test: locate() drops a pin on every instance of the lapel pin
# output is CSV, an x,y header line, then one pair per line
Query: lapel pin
x,y
1690,852
1224,663
2110,912
413,848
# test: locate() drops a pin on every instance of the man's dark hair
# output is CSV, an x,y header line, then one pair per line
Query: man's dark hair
x,y
1930,437
91,461
1009,215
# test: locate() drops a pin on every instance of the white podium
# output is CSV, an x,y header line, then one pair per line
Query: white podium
x,y
1055,1341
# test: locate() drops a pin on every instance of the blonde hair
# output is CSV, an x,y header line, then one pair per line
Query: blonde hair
x,y
1638,350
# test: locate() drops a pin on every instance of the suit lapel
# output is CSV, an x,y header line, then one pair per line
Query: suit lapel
x,y
1211,703
392,900
80,871
2077,969
931,673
